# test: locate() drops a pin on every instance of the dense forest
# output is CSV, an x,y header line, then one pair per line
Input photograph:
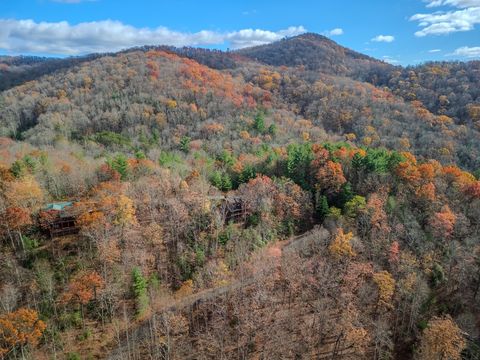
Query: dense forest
x,y
296,200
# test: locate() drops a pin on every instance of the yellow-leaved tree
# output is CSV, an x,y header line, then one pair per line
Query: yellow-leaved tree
x,y
386,288
442,339
341,246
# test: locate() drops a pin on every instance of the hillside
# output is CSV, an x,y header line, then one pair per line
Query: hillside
x,y
444,88
296,200
154,93
16,70
317,52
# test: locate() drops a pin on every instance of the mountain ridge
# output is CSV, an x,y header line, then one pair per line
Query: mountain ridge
x,y
317,53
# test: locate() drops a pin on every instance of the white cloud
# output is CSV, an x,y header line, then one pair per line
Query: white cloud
x,y
28,36
445,22
333,32
249,37
390,60
468,52
433,51
457,3
384,38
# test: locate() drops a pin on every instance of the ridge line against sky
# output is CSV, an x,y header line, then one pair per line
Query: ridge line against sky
x,y
408,31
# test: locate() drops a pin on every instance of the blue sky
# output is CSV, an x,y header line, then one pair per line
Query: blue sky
x,y
400,31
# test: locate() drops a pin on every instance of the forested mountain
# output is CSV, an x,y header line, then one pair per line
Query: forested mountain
x,y
295,200
15,70
316,52
445,88
110,94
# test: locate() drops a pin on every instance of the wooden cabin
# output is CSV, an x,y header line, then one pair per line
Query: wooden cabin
x,y
232,208
58,219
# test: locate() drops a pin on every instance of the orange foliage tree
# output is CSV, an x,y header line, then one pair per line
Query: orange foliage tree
x,y
330,177
443,222
201,79
428,171
394,253
407,170
459,178
108,210
16,219
268,80
19,329
83,287
426,192
24,192
212,129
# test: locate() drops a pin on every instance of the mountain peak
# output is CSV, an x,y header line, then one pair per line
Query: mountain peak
x,y
314,52
311,36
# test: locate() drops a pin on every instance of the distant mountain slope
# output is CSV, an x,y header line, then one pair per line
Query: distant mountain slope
x,y
16,70
125,93
444,88
315,52
215,59
164,96
170,91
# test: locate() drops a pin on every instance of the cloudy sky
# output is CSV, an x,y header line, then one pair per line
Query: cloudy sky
x,y
400,31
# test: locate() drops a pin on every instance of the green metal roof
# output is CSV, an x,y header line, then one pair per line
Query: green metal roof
x,y
58,205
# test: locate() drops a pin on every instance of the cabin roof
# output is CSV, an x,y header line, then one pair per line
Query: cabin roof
x,y
58,205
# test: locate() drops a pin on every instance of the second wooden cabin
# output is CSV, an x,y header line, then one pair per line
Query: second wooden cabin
x,y
232,208
58,219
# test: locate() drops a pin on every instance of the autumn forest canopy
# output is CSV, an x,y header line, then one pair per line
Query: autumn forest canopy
x,y
296,200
